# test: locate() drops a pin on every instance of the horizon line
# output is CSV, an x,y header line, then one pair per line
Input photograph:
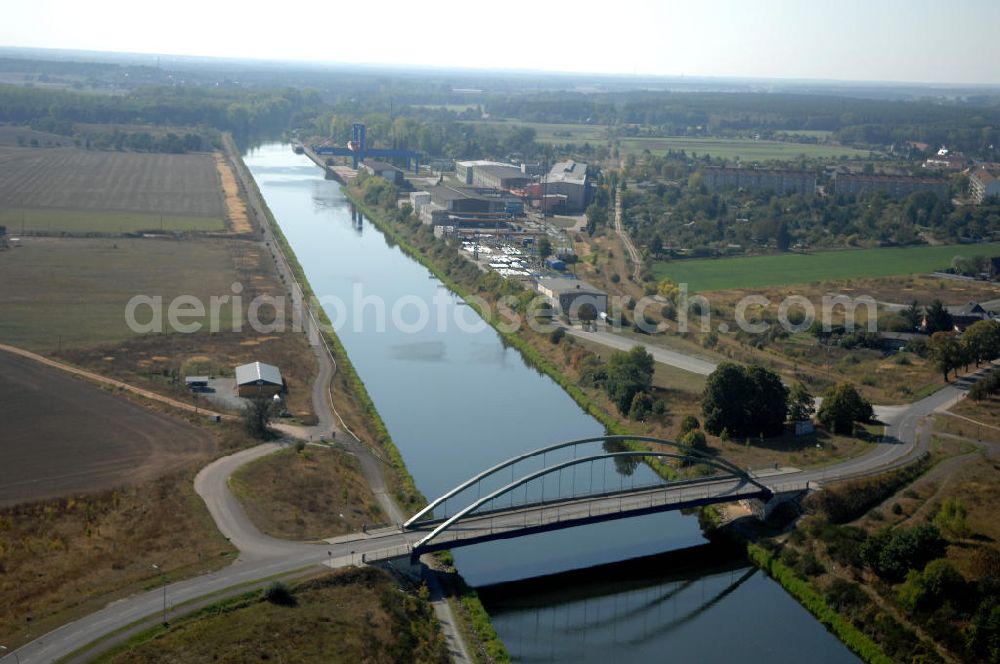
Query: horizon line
x,y
495,71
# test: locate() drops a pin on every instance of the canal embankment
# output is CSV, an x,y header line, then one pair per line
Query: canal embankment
x,y
474,618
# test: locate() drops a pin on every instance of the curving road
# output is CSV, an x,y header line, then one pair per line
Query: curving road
x,y
262,556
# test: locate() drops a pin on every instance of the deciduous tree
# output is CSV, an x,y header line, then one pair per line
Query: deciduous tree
x,y
842,407
628,374
746,401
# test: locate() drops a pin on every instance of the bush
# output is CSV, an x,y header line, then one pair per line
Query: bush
x,y
557,335
892,553
927,590
952,518
689,423
983,635
696,439
642,406
279,594
918,346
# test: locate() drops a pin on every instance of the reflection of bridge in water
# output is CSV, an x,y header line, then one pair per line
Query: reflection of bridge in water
x,y
624,603
529,503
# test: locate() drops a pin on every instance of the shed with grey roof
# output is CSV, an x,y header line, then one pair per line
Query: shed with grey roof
x,y
258,378
570,297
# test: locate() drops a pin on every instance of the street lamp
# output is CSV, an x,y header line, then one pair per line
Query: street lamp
x,y
16,656
164,577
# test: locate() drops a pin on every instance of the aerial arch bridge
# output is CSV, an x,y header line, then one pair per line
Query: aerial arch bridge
x,y
519,505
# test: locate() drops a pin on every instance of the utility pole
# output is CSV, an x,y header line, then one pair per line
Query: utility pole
x,y
164,577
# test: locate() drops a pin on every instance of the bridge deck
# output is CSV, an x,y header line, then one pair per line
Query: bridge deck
x,y
519,521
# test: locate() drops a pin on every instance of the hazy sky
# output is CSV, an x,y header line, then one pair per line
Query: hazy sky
x,y
887,40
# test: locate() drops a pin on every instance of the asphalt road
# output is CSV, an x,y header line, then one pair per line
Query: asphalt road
x,y
662,355
263,556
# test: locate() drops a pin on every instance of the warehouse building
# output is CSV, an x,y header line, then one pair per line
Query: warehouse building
x,y
569,179
569,296
465,170
419,199
257,378
499,176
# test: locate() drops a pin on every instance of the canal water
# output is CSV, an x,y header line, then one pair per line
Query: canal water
x,y
456,401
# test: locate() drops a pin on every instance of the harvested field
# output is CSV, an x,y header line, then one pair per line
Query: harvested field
x,y
88,222
743,148
68,297
236,209
63,436
70,180
72,292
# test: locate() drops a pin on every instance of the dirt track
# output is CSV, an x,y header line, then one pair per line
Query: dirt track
x,y
60,435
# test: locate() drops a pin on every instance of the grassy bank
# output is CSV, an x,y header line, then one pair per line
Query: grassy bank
x,y
474,619
812,600
307,493
348,615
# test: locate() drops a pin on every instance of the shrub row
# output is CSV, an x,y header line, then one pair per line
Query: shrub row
x,y
814,602
849,500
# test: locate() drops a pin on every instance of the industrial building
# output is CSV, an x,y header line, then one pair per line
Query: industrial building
x,y
384,170
898,187
500,176
465,170
461,199
569,179
568,296
257,379
492,174
757,179
982,185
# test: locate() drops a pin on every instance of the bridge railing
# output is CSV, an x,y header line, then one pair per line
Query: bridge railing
x,y
469,512
687,453
541,517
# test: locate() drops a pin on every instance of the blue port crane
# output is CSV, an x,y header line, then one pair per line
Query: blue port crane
x,y
357,149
